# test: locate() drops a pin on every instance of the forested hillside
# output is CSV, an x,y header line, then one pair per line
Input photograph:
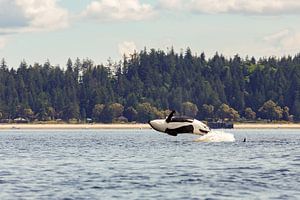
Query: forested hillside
x,y
149,83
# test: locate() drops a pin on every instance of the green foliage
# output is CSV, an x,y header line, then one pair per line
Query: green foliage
x,y
71,111
226,112
106,114
143,86
147,112
270,110
97,112
250,114
189,109
286,114
51,113
28,113
207,111
116,110
131,114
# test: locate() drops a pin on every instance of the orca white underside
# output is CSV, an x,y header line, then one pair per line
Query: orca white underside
x,y
174,127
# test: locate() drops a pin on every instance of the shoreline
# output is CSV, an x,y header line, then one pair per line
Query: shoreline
x,y
266,126
134,126
73,126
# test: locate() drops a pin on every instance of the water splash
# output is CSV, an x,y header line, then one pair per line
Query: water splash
x,y
216,136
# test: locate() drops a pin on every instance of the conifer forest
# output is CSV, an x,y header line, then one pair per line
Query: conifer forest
x,y
149,84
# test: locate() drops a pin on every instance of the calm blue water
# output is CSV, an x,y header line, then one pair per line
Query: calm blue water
x,y
133,164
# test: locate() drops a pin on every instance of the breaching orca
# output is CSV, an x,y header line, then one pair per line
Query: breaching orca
x,y
178,125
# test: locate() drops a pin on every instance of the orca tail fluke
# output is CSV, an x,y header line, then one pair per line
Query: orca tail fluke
x,y
170,116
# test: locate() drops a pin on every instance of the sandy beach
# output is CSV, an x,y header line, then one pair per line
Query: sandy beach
x,y
74,126
266,126
134,126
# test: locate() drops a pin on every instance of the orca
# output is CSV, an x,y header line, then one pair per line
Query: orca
x,y
179,125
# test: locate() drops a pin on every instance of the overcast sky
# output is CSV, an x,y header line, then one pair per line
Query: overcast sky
x,y
37,30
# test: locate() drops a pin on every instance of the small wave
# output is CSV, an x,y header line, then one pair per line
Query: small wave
x,y
216,136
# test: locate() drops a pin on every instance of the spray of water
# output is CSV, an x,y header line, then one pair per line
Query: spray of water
x,y
216,136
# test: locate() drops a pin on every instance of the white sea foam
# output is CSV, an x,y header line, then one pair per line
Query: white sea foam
x,y
216,136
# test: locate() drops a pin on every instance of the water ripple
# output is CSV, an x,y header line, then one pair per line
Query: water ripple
x,y
89,164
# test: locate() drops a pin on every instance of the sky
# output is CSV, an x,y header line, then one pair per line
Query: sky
x,y
55,30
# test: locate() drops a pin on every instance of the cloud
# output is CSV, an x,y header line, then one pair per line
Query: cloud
x,y
277,36
127,48
11,15
3,41
260,7
44,15
291,43
31,15
284,42
171,4
108,10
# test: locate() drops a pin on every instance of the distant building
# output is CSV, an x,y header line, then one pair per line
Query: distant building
x,y
21,120
89,120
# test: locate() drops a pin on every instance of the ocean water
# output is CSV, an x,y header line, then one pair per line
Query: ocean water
x,y
144,164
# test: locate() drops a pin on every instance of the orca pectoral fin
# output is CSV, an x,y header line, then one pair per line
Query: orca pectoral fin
x,y
172,134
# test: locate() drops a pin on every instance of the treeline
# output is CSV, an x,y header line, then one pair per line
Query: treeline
x,y
149,84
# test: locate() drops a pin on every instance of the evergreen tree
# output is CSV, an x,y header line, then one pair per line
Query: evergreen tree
x,y
149,83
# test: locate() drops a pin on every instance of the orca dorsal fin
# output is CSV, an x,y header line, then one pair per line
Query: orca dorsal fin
x,y
170,116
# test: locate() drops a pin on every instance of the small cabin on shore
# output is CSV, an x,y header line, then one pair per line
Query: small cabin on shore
x,y
21,120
